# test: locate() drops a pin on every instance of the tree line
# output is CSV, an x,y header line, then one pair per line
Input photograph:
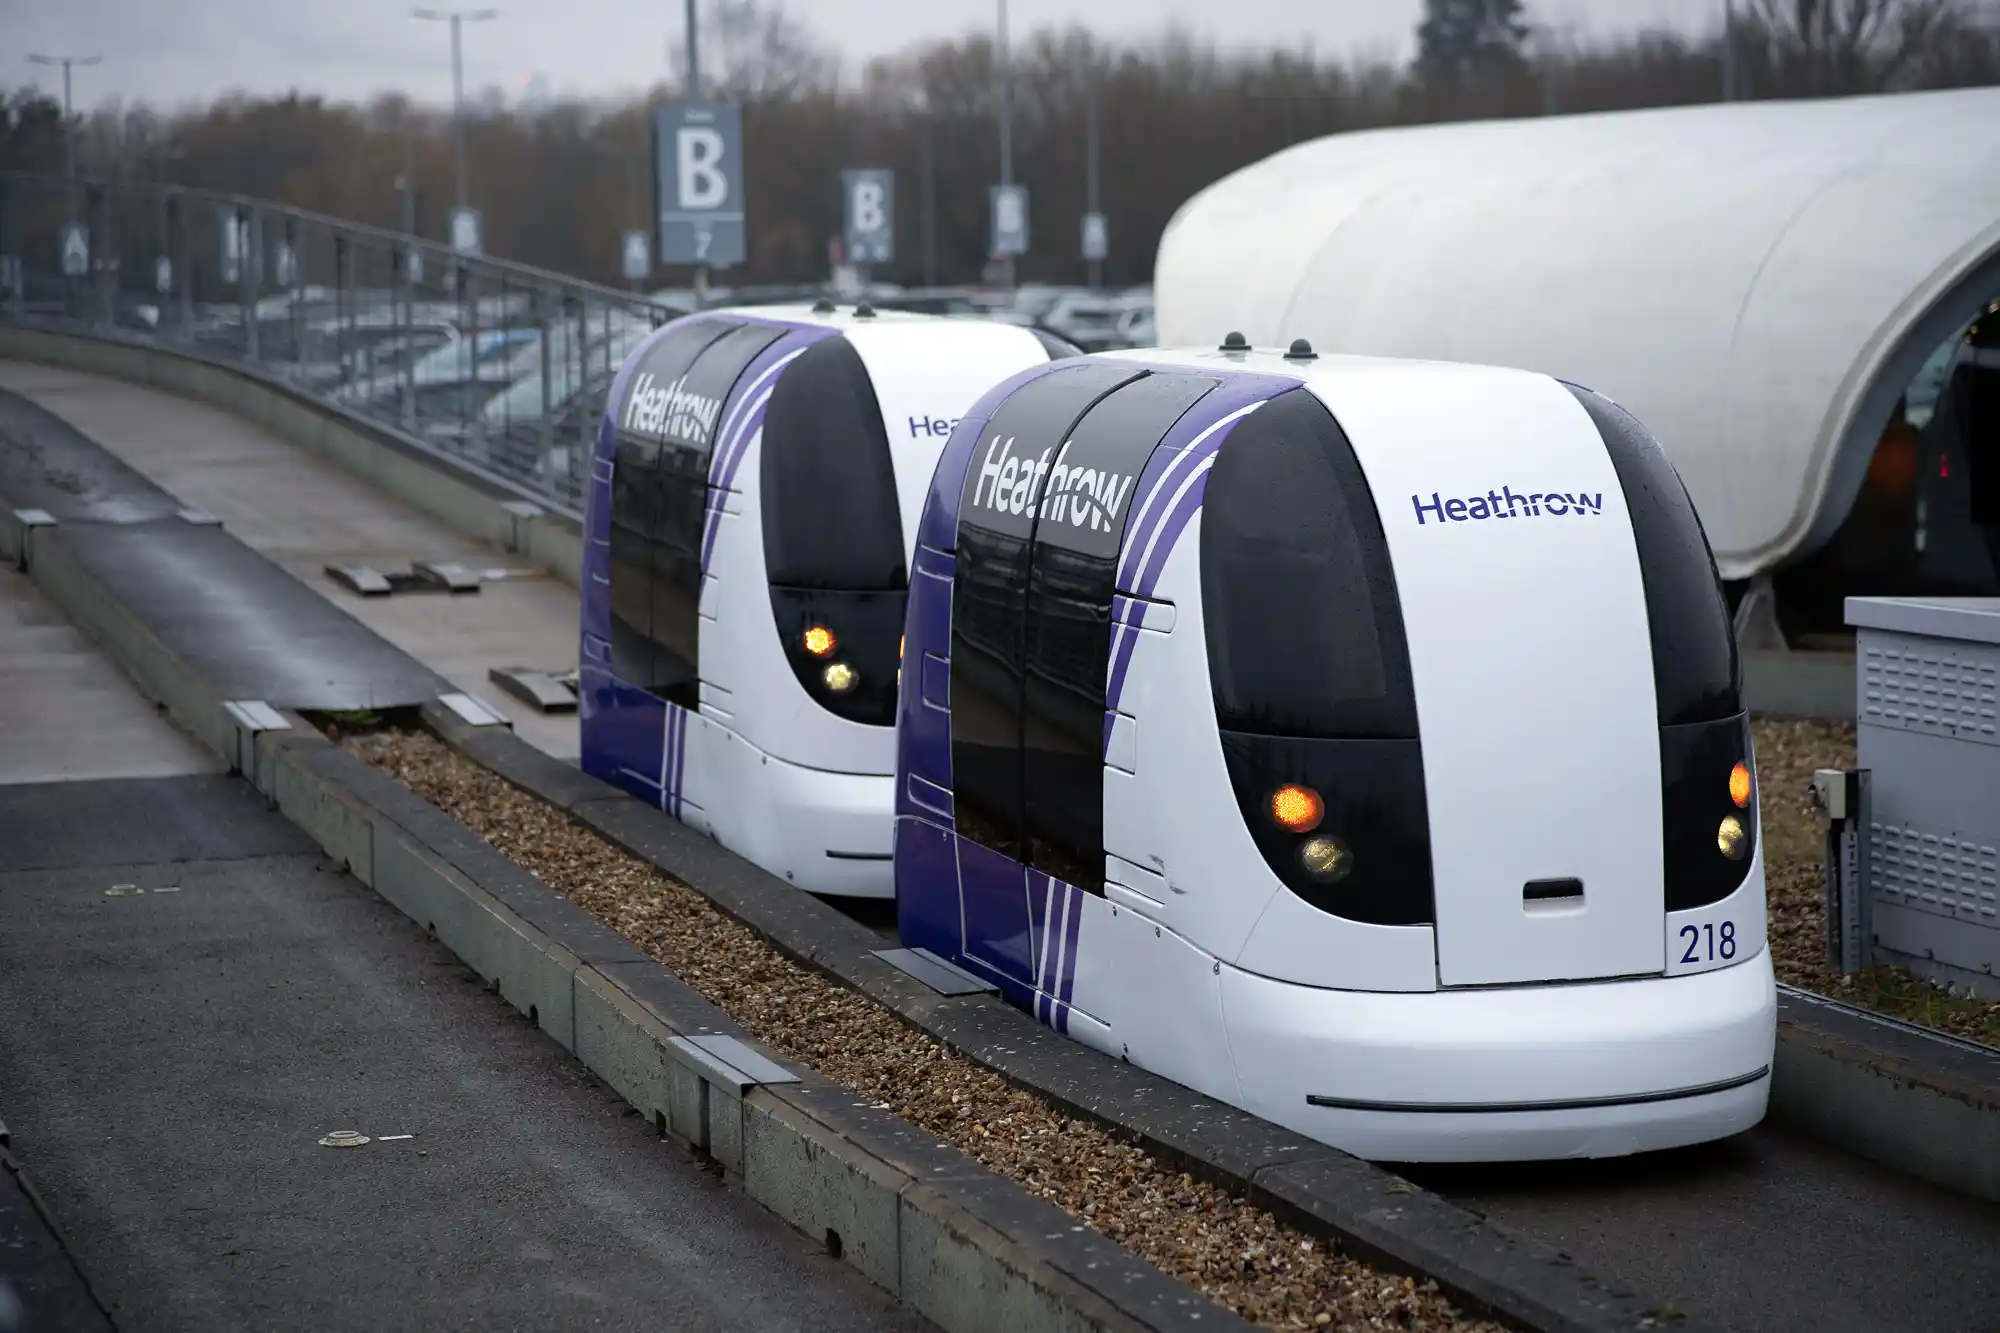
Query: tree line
x,y
558,181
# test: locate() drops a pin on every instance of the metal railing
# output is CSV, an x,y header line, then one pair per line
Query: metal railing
x,y
499,365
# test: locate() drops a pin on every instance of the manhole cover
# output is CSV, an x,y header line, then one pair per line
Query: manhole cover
x,y
344,1138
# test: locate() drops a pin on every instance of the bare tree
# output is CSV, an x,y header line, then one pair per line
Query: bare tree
x,y
1832,47
752,51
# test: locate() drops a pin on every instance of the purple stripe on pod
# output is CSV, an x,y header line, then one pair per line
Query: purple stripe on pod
x,y
1044,912
1073,932
679,756
745,416
680,765
1169,464
1165,471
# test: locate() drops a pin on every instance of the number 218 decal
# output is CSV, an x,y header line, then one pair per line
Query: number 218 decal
x,y
1706,943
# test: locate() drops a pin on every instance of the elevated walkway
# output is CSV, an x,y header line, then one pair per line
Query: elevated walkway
x,y
146,456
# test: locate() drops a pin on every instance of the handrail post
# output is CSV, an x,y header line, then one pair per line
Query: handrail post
x,y
10,244
183,243
104,256
249,271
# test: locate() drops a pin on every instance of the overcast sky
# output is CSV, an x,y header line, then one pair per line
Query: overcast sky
x,y
174,51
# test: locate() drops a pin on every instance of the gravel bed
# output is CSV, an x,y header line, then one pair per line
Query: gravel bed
x,y
1787,753
1209,1237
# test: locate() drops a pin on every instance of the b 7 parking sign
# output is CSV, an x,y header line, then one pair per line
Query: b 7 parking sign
x,y
698,183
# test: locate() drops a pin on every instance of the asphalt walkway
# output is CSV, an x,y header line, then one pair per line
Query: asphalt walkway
x,y
191,999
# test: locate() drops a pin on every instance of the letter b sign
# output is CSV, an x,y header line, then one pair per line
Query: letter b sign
x,y
870,232
700,158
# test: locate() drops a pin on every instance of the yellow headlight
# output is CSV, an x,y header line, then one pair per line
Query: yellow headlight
x,y
1297,809
1326,858
1731,839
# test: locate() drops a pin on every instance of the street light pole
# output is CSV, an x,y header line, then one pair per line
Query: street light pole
x,y
930,201
455,17
1729,71
1091,156
694,57
691,96
1005,72
69,140
1006,101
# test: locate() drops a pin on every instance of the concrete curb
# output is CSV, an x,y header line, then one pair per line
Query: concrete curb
x,y
1369,1211
123,636
464,498
1899,1094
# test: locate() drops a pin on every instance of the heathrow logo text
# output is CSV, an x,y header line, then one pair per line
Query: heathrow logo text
x,y
671,411
1504,503
1076,495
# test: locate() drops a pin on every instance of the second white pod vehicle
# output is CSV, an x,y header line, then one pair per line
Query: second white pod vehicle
x,y
752,505
1359,742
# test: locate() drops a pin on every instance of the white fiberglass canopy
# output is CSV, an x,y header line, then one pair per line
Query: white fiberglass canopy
x,y
1756,282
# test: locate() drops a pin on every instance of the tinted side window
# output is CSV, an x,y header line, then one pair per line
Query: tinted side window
x,y
1080,525
831,520
689,413
631,561
1696,672
996,521
1305,632
635,493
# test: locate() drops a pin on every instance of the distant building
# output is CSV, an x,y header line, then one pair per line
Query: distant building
x,y
1789,294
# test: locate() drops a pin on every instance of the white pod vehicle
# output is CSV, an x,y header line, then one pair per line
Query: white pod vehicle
x,y
752,506
1358,742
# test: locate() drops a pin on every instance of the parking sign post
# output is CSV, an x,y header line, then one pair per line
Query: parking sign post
x,y
698,185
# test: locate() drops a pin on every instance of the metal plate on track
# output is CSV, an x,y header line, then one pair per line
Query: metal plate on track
x,y
730,1060
943,977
